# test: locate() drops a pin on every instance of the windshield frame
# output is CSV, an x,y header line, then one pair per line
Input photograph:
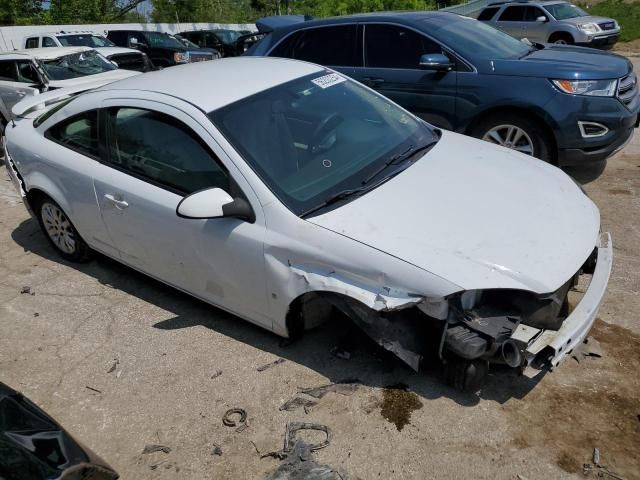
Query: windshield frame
x,y
425,133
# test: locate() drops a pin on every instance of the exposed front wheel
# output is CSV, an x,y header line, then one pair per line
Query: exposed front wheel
x,y
515,132
60,231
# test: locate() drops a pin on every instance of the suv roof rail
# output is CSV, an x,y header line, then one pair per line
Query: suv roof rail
x,y
510,1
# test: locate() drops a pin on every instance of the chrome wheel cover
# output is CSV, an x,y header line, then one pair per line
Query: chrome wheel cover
x,y
510,136
58,227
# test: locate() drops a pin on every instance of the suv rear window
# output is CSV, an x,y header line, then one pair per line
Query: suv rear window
x,y
488,13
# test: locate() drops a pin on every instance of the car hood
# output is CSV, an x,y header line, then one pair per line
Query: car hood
x,y
110,76
587,19
108,51
564,62
477,215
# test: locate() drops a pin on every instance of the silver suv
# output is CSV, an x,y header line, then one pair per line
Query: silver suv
x,y
551,22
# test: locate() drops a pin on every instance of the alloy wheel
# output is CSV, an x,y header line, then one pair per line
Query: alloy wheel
x,y
510,136
561,41
58,227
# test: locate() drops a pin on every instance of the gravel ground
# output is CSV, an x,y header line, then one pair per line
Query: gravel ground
x,y
123,361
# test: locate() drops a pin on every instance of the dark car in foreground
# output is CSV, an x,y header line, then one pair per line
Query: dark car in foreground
x,y
33,446
564,104
163,49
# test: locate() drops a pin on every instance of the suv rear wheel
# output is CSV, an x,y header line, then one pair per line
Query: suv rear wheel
x,y
516,132
561,38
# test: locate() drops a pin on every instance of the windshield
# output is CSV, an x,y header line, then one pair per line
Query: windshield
x,y
562,11
186,42
318,135
227,36
76,65
474,39
87,40
157,39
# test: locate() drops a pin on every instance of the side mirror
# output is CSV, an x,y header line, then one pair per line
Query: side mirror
x,y
214,203
436,61
541,19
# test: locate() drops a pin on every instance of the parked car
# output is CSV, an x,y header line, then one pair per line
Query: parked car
x,y
126,58
163,49
35,71
35,446
294,192
551,21
566,105
190,45
221,39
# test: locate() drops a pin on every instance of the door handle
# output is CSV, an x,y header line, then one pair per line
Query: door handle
x,y
119,204
372,81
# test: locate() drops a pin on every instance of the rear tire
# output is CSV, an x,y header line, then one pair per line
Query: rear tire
x,y
561,39
516,132
60,232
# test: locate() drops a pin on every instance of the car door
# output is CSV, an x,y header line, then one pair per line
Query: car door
x,y
14,87
535,30
391,66
511,21
158,155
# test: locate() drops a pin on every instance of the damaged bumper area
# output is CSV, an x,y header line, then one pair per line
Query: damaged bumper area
x,y
517,328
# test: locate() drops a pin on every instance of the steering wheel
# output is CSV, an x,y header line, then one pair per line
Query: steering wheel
x,y
326,126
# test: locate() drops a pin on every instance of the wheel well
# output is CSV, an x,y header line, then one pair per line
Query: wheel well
x,y
310,310
556,35
528,114
33,196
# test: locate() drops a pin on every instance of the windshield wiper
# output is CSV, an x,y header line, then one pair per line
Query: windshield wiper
x,y
335,198
397,158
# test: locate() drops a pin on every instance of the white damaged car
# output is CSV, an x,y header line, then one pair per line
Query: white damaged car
x,y
278,189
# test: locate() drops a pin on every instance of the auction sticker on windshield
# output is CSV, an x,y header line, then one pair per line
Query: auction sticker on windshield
x,y
327,81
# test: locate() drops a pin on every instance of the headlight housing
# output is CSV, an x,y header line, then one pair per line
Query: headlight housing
x,y
594,88
180,57
590,28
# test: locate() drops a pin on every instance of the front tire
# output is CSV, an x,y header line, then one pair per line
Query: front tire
x,y
561,39
516,132
60,232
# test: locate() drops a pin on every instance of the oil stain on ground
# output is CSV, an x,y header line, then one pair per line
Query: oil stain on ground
x,y
595,403
398,402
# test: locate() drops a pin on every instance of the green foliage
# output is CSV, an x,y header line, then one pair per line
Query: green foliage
x,y
24,12
31,12
626,13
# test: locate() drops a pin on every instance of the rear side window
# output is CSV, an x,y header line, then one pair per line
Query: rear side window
x,y
389,46
488,13
8,71
162,150
48,42
331,46
79,133
513,14
32,42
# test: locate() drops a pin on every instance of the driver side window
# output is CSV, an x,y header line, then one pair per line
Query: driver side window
x,y
78,133
158,148
390,46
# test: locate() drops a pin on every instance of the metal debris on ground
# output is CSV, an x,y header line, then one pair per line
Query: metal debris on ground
x,y
152,448
115,364
241,423
596,456
299,465
344,387
217,450
589,348
597,469
290,438
297,402
269,365
27,290
93,389
216,374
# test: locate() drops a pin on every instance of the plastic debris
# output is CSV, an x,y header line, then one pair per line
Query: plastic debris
x,y
152,448
297,402
216,374
27,290
269,365
344,387
217,450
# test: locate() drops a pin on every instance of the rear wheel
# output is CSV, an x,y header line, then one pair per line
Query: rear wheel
x,y
561,39
60,231
516,132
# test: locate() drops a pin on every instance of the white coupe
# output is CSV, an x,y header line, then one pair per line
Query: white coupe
x,y
278,190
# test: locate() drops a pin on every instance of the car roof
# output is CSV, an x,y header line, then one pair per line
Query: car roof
x,y
214,84
525,2
47,53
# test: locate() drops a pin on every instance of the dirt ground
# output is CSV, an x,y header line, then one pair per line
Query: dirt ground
x,y
123,362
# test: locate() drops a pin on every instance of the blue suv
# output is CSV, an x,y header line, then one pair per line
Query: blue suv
x,y
564,104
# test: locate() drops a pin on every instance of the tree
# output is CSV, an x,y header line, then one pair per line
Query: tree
x,y
91,11
14,12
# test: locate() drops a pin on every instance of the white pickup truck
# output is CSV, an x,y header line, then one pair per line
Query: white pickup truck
x,y
126,58
35,71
